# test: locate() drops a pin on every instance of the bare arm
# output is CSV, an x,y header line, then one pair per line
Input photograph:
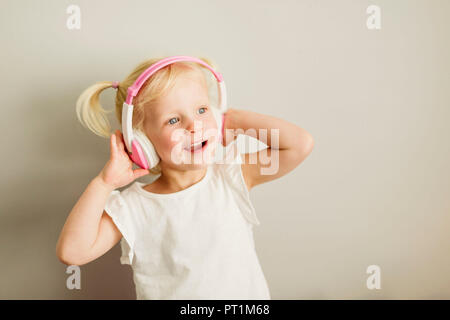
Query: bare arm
x,y
89,231
291,146
77,242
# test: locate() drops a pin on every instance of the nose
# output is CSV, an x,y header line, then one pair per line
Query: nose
x,y
190,127
194,129
193,126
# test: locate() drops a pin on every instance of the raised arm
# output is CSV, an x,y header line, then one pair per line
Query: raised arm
x,y
288,144
89,231
77,242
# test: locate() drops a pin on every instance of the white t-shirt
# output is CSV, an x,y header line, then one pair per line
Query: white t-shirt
x,y
196,243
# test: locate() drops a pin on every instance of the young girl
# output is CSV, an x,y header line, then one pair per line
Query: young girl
x,y
189,233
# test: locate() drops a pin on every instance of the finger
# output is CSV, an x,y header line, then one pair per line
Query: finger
x,y
119,134
121,144
113,144
118,141
140,173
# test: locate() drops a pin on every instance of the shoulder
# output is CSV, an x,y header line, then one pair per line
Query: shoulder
x,y
122,199
236,185
125,207
231,168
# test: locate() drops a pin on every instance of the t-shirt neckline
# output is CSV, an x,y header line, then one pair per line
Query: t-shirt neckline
x,y
139,186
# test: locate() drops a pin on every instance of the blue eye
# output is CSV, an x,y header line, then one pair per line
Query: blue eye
x,y
172,122
203,109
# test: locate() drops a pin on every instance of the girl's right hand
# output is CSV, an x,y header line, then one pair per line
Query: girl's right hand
x,y
118,171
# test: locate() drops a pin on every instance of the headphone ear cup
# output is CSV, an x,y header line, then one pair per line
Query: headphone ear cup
x,y
147,148
218,116
220,149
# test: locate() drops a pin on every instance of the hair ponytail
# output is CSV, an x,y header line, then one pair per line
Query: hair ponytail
x,y
91,113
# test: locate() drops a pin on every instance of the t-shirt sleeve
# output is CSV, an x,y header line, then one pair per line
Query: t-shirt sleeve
x,y
234,176
118,210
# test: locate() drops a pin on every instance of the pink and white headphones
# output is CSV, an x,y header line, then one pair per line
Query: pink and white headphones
x,y
142,152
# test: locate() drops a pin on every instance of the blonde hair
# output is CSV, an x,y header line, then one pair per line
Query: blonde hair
x,y
94,117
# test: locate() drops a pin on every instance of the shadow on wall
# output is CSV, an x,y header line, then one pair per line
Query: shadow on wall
x,y
59,158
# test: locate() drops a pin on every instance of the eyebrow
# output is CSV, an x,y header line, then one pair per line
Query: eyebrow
x,y
198,106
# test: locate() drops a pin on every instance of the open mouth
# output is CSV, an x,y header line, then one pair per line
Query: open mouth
x,y
197,147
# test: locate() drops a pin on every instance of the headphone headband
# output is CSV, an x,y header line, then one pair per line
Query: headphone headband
x,y
134,89
127,109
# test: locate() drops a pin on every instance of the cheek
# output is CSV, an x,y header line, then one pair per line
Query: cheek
x,y
167,141
210,124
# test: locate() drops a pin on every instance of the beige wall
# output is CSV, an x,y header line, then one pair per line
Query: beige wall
x,y
375,190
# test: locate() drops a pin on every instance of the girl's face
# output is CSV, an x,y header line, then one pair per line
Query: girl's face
x,y
181,119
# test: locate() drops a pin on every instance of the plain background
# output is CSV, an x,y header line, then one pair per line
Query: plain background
x,y
374,191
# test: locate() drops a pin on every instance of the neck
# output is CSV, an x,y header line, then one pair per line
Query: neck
x,y
177,180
